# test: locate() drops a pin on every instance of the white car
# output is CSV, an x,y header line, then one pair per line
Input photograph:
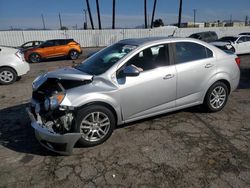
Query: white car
x,y
237,44
12,65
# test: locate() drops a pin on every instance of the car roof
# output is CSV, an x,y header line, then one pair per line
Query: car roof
x,y
60,39
149,40
141,41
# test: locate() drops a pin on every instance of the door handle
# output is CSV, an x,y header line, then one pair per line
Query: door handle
x,y
168,76
209,65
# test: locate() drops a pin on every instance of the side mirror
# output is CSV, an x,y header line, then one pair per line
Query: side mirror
x,y
129,71
239,41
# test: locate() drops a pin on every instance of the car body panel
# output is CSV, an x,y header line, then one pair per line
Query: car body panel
x,y
162,92
192,77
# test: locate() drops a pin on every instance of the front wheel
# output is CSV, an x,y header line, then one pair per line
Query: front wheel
x,y
96,124
7,76
73,54
216,97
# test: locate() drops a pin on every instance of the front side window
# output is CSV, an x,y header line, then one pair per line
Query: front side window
x,y
247,39
48,43
150,58
188,51
102,61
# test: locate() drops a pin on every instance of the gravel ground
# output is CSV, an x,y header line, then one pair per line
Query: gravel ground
x,y
188,148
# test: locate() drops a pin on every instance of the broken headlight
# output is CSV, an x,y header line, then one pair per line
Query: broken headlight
x,y
53,102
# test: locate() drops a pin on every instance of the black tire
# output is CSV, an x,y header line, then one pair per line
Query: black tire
x,y
35,58
7,76
73,54
216,97
89,132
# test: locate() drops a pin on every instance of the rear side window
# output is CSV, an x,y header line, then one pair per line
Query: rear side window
x,y
189,51
247,39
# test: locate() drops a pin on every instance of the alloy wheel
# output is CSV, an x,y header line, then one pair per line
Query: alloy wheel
x,y
34,58
73,55
95,126
6,76
217,97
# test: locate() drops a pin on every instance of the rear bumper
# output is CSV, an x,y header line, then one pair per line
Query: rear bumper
x,y
22,68
59,143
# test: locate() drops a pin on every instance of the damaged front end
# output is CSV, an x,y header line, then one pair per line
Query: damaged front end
x,y
52,122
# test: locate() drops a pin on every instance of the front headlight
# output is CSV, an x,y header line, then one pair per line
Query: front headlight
x,y
53,102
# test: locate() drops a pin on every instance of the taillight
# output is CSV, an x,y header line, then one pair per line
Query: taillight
x,y
19,54
237,60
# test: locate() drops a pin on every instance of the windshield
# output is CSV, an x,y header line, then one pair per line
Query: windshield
x,y
228,39
102,61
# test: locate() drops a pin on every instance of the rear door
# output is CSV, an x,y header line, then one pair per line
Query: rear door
x,y
61,47
195,65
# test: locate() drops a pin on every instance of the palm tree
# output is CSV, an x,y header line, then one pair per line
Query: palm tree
x,y
153,14
113,15
98,14
90,16
180,13
145,13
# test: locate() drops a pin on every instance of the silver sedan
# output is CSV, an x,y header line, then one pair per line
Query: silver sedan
x,y
127,81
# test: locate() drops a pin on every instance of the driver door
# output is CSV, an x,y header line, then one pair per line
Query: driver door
x,y
153,91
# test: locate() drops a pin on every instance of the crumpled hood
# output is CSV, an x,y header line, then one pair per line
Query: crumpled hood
x,y
219,43
67,73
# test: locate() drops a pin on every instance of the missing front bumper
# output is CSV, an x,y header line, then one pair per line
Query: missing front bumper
x,y
59,143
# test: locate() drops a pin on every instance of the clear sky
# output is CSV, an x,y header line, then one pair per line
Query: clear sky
x,y
129,13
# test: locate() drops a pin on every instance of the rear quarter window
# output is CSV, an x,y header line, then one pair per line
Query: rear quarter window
x,y
189,51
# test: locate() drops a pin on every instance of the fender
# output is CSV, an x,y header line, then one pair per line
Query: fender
x,y
88,98
217,77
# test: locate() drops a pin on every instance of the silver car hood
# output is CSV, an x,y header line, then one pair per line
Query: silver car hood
x,y
67,73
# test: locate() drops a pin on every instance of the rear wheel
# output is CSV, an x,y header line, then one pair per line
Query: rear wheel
x,y
216,97
73,54
96,124
7,76
34,58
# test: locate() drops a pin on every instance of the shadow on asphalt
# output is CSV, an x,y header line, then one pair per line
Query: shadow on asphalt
x,y
16,133
244,78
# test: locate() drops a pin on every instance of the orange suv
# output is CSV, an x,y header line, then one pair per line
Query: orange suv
x,y
54,48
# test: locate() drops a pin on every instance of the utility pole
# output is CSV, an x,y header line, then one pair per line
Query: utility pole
x,y
85,24
145,13
180,14
153,14
231,20
98,14
113,15
246,21
195,10
90,16
44,28
60,20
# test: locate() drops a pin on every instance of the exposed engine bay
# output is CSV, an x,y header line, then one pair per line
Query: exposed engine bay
x,y
45,104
